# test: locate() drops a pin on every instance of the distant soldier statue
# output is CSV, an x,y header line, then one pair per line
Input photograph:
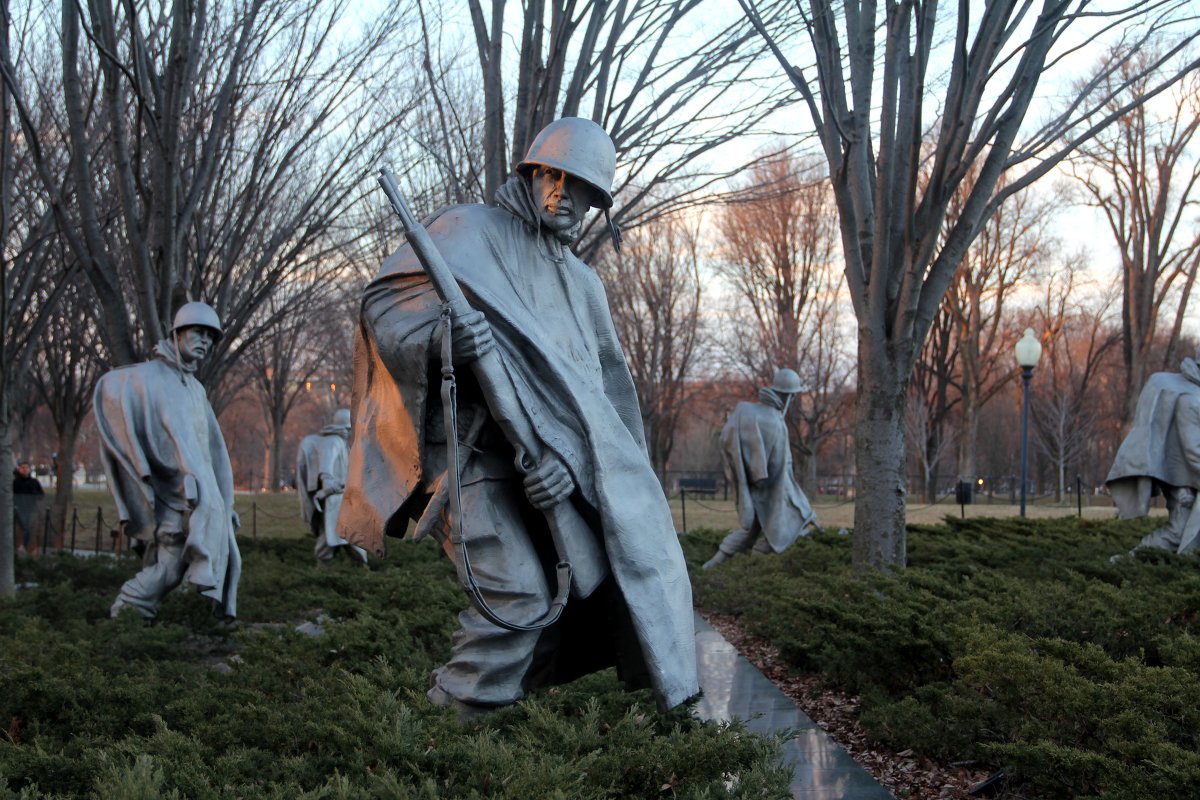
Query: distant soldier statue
x,y
772,508
321,463
169,471
1161,456
560,470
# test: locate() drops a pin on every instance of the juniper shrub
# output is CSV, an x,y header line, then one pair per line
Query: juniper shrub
x,y
186,707
1014,643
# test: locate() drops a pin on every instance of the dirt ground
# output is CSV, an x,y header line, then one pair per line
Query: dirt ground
x,y
721,514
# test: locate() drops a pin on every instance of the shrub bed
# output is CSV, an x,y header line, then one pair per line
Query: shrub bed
x,y
187,708
1012,643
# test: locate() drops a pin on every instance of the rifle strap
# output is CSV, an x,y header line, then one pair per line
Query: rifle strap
x,y
465,574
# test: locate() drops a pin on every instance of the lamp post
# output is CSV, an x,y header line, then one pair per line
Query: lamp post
x,y
1029,350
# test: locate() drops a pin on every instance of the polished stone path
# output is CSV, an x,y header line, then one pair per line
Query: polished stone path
x,y
733,687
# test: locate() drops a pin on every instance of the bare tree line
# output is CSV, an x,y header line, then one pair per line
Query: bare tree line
x,y
876,106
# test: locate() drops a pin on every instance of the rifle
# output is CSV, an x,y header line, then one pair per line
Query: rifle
x,y
581,564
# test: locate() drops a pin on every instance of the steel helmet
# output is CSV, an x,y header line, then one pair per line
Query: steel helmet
x,y
580,148
192,314
786,381
341,418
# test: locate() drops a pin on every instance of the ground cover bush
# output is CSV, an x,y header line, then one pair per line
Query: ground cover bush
x,y
189,708
1013,643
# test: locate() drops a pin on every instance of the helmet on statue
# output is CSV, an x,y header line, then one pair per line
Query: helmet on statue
x,y
197,314
580,148
786,381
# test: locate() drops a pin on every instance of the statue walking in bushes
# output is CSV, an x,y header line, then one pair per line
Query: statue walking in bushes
x,y
1161,456
772,509
321,464
550,496
169,471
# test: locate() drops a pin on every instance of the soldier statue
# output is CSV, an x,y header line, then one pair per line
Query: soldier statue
x,y
321,463
540,321
772,508
1161,456
169,471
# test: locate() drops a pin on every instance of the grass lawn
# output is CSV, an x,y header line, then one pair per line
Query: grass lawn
x,y
1011,644
186,708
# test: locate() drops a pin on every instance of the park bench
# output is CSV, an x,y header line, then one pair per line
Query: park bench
x,y
698,486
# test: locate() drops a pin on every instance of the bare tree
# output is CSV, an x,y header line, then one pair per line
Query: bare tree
x,y
1078,337
935,398
826,371
654,290
1005,255
287,360
868,94
69,359
778,239
1142,174
31,282
932,441
670,81
233,136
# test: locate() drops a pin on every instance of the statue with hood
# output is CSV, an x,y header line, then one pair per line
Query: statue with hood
x,y
772,509
169,471
1161,456
542,313
321,464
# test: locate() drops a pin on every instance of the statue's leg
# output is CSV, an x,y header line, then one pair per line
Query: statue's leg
x,y
321,548
163,569
1179,506
489,664
736,541
762,546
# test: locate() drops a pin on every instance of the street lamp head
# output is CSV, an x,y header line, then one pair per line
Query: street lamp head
x,y
1029,350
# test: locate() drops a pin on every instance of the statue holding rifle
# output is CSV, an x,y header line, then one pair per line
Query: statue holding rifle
x,y
773,510
529,464
321,463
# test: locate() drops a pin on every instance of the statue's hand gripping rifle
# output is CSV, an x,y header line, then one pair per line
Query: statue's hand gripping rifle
x,y
581,564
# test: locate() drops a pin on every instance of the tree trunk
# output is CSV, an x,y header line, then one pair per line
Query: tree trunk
x,y
276,451
808,469
967,456
879,514
64,481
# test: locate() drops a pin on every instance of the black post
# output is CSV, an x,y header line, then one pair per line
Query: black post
x,y
45,531
1026,374
1079,494
683,507
74,526
99,522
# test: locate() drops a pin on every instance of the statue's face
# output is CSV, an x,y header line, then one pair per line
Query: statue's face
x,y
562,201
195,342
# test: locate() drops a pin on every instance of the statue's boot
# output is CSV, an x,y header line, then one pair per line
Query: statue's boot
x,y
466,712
717,559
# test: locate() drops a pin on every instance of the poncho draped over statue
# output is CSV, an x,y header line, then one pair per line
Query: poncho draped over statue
x,y
322,462
1162,449
162,447
550,319
758,462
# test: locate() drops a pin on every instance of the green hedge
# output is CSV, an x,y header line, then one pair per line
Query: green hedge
x,y
1013,643
116,709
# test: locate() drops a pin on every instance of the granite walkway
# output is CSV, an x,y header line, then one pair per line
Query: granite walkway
x,y
733,687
